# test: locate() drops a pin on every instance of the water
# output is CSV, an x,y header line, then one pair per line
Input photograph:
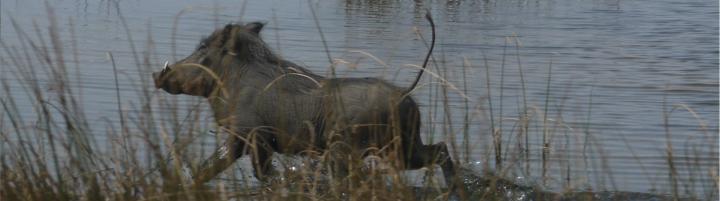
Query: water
x,y
627,58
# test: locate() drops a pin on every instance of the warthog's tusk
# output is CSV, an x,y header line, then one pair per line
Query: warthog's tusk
x,y
166,65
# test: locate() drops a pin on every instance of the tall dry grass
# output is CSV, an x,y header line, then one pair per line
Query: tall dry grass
x,y
56,154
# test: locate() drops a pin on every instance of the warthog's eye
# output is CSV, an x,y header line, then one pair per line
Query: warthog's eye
x,y
228,52
202,45
203,60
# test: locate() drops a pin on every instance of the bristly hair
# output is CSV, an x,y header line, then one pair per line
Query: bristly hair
x,y
253,47
207,40
245,42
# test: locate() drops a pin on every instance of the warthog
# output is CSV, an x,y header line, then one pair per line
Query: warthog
x,y
272,105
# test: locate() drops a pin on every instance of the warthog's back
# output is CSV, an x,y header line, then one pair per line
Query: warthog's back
x,y
364,108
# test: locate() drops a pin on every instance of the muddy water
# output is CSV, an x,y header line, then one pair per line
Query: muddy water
x,y
615,66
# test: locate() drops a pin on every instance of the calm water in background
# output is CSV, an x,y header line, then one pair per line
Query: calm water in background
x,y
627,58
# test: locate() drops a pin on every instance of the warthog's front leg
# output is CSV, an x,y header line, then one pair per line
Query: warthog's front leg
x,y
223,157
257,144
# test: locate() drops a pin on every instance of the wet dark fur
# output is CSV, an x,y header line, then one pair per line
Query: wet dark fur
x,y
274,105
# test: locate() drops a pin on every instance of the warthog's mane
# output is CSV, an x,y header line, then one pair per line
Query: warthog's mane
x,y
253,54
247,45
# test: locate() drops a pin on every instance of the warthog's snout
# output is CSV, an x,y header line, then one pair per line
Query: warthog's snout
x,y
157,75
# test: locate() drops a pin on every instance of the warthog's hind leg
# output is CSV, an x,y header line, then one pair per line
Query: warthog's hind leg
x,y
261,156
436,154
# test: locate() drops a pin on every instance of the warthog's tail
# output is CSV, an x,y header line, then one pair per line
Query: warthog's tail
x,y
427,57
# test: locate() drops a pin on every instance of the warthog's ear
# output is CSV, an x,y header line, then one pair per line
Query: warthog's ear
x,y
255,27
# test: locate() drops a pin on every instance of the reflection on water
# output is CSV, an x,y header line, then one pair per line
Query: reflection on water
x,y
616,66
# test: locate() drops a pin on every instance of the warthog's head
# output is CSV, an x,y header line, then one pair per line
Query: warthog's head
x,y
217,55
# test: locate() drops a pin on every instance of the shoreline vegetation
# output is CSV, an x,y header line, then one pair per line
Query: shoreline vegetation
x,y
55,155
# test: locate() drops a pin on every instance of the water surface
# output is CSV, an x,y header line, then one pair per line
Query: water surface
x,y
616,67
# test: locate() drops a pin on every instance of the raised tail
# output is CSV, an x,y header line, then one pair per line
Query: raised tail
x,y
427,57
